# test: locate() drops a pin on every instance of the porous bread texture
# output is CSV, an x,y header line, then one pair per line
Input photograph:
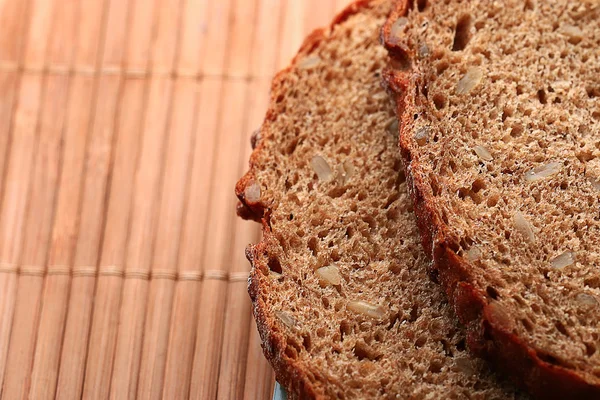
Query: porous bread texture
x,y
339,285
500,133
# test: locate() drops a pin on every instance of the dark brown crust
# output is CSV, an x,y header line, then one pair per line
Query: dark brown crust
x,y
489,332
289,374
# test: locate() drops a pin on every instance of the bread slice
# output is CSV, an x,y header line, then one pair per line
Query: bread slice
x,y
500,136
339,285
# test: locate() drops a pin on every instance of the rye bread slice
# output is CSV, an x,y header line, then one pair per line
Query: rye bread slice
x,y
339,286
500,136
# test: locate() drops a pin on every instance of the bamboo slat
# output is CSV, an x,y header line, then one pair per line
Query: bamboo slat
x,y
217,37
64,29
98,159
90,21
39,31
115,40
8,88
341,4
164,265
142,16
62,244
166,34
234,352
15,201
192,36
317,14
97,376
259,375
103,334
141,240
38,227
241,38
13,23
217,254
291,31
185,315
265,48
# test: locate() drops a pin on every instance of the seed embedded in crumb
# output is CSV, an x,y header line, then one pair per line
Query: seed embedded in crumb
x,y
573,33
543,171
483,153
468,82
252,193
286,319
422,135
424,50
368,309
474,253
396,29
524,226
465,365
563,260
345,171
329,274
309,62
595,183
587,299
275,275
321,167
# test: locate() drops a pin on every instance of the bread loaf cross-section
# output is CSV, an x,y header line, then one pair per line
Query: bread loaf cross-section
x,y
339,285
499,103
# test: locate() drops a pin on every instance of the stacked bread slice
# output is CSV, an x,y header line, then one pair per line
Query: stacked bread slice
x,y
500,136
340,283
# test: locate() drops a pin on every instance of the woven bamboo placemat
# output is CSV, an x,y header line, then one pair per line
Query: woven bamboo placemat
x,y
124,125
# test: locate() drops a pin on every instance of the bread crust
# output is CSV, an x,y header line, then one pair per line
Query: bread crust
x,y
289,374
489,333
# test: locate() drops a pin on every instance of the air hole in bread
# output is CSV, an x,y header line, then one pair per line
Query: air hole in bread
x,y
414,313
527,324
421,5
335,255
435,366
441,66
590,349
439,100
274,265
507,112
306,342
321,332
529,5
400,60
421,341
291,352
291,147
520,90
541,94
452,165
492,292
462,34
516,131
593,91
492,200
561,328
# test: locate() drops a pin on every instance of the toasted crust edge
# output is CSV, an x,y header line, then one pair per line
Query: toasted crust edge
x,y
288,374
487,334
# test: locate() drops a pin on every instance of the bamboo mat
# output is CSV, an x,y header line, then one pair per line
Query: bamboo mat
x,y
124,125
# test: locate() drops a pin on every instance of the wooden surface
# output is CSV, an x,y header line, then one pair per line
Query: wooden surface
x,y
124,125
